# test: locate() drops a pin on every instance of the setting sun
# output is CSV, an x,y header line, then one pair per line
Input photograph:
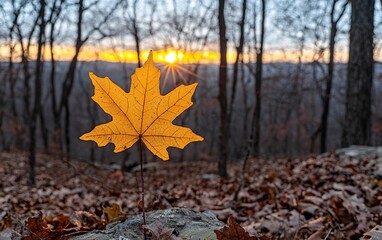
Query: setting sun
x,y
170,57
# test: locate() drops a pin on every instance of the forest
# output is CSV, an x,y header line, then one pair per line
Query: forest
x,y
190,119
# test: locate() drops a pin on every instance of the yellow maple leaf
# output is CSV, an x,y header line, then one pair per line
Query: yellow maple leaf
x,y
143,113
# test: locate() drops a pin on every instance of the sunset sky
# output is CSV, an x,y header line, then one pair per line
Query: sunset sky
x,y
174,55
281,43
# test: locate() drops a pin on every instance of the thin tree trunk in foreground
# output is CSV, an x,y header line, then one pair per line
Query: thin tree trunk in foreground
x,y
239,52
329,79
222,97
258,78
37,97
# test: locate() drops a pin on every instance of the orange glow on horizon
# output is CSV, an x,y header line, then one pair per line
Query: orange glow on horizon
x,y
170,56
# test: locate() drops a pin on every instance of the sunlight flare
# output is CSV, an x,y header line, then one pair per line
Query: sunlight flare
x,y
171,57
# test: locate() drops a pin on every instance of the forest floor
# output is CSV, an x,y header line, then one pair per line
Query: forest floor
x,y
317,197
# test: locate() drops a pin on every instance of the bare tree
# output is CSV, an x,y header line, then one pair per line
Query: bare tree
x,y
24,24
239,57
222,97
357,126
258,78
189,33
37,94
11,78
57,8
329,78
62,104
256,113
134,20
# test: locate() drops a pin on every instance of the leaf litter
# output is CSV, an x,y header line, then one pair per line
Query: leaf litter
x,y
312,198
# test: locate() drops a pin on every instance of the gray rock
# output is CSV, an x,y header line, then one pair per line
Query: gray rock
x,y
359,152
188,224
210,176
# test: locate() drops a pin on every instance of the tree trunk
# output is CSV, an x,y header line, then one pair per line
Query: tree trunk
x,y
37,96
222,97
44,132
12,80
137,48
258,77
247,110
2,111
357,125
136,34
67,129
329,79
328,89
67,85
56,133
239,52
26,112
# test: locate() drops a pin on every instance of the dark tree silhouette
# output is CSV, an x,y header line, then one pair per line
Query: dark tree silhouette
x,y
37,93
62,103
258,79
55,14
329,78
239,56
222,97
357,126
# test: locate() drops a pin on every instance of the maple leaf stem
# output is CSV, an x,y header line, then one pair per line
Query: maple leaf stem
x,y
143,186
